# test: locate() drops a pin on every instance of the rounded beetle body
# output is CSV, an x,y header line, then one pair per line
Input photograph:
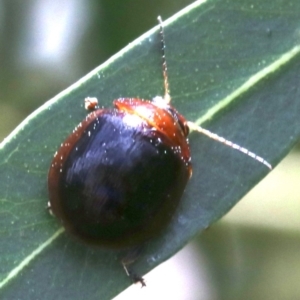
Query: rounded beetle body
x,y
118,178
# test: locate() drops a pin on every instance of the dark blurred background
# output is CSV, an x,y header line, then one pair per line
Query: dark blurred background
x,y
253,253
47,45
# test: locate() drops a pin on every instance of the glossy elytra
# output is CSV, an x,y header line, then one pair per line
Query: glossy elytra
x,y
116,181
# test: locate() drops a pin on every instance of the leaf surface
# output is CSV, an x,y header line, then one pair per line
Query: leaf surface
x,y
233,65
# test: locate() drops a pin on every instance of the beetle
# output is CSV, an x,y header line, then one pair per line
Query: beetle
x,y
118,178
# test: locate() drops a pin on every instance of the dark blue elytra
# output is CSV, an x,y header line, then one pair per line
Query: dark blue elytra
x,y
117,182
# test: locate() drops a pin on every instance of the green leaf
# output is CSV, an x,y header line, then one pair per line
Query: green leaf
x,y
233,65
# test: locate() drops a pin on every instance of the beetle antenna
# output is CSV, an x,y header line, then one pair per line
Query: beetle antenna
x,y
167,96
192,125
222,140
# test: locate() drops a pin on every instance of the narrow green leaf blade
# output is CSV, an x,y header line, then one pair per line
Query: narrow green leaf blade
x,y
233,64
